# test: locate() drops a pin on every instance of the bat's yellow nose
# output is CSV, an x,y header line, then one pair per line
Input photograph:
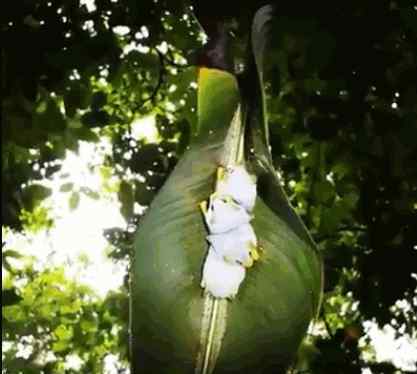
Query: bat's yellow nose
x,y
248,263
203,206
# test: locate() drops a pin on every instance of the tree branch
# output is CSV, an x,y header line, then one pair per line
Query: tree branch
x,y
161,76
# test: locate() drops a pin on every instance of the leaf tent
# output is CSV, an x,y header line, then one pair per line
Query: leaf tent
x,y
175,328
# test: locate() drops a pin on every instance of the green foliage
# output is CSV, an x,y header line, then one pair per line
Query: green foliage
x,y
36,220
52,314
341,96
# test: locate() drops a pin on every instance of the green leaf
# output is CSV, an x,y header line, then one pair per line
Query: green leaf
x,y
10,253
218,96
90,193
66,187
60,346
7,266
34,194
50,119
280,294
9,297
331,217
323,191
74,200
253,93
88,326
63,332
38,191
126,198
84,133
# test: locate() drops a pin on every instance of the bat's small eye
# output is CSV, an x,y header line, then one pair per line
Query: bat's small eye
x,y
227,199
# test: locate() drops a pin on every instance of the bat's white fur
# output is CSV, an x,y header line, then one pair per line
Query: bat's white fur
x,y
223,214
222,279
239,184
235,245
231,236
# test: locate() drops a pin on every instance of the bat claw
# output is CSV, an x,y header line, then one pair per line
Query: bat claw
x,y
220,173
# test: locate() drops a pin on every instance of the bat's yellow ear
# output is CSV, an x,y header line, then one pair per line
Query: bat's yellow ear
x,y
254,252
